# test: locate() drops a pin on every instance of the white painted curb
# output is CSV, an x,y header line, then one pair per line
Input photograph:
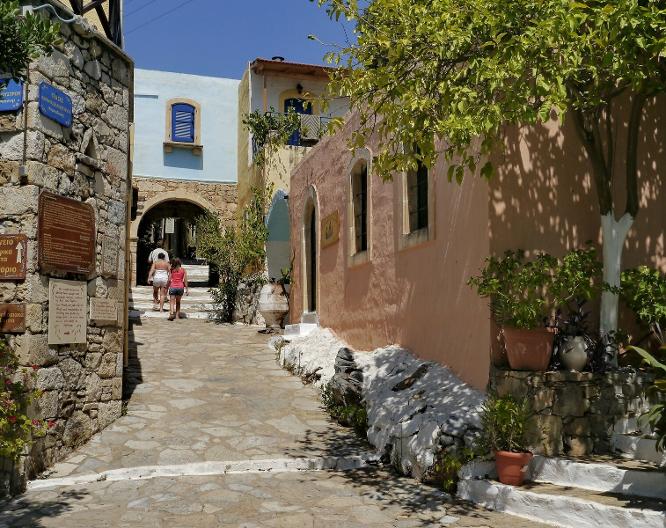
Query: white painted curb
x,y
556,510
211,468
638,448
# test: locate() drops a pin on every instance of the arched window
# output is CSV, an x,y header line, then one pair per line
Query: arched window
x,y
359,208
182,123
417,197
359,185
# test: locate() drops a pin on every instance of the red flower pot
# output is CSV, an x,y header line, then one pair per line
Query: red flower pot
x,y
512,467
528,349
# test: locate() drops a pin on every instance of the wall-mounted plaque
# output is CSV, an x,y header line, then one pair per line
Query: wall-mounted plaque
x,y
12,318
68,312
55,104
11,96
110,255
330,229
104,311
66,233
13,257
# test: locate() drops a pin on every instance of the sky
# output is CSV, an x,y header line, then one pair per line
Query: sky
x,y
220,37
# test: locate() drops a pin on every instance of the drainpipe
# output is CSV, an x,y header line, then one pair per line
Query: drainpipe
x,y
23,170
128,215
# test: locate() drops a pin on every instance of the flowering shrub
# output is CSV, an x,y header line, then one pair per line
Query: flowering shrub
x,y
16,429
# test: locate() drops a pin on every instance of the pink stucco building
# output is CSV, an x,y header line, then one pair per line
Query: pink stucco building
x,y
384,263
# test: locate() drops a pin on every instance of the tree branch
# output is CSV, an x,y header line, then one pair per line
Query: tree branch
x,y
632,152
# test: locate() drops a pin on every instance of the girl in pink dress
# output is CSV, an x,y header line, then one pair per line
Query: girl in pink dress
x,y
177,287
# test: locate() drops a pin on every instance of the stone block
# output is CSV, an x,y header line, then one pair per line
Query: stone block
x,y
570,401
93,360
34,318
49,404
543,399
579,446
94,69
18,200
42,175
93,388
107,413
578,427
60,157
9,171
33,349
77,430
107,368
72,372
544,434
50,379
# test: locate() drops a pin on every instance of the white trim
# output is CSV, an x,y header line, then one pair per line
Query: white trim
x,y
354,257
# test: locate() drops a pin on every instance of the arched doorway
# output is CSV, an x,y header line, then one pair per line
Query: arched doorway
x,y
310,254
278,246
171,224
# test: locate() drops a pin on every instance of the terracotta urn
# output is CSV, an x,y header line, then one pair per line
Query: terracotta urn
x,y
528,349
512,467
573,353
273,304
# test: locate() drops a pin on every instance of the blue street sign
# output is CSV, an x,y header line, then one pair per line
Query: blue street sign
x,y
11,96
55,104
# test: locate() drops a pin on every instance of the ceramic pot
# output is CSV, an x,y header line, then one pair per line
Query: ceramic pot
x,y
512,467
273,304
528,349
573,353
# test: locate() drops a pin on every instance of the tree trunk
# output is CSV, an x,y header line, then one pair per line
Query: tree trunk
x,y
614,235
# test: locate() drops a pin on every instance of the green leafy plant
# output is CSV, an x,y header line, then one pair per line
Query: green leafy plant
x,y
270,130
17,429
447,465
503,424
350,414
644,291
527,293
238,252
516,288
23,38
656,416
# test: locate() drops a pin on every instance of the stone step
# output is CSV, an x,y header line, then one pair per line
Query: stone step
x,y
140,314
566,507
299,330
637,447
602,474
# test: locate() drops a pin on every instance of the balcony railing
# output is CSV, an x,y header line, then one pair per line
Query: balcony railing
x,y
309,132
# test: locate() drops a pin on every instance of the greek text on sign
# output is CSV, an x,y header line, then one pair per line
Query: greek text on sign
x,y
104,311
68,312
11,96
55,104
66,235
13,257
12,318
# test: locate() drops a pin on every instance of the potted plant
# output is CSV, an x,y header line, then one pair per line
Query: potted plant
x,y
573,342
517,290
503,422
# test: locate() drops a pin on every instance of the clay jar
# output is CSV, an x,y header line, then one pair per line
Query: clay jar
x,y
573,353
273,304
512,467
528,349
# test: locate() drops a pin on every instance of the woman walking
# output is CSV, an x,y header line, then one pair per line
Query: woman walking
x,y
177,287
159,275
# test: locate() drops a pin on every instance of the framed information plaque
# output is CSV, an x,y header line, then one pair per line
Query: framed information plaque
x,y
13,257
66,235
12,318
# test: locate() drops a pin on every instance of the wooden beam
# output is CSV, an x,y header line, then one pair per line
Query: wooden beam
x,y
104,20
76,6
92,5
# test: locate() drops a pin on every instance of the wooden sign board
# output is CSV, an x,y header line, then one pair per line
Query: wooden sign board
x,y
66,235
12,318
330,229
103,311
68,312
13,257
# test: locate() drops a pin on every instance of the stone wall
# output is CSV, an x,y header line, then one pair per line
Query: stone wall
x,y
576,412
220,198
88,162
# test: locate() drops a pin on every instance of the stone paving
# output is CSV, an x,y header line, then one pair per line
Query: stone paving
x,y
203,394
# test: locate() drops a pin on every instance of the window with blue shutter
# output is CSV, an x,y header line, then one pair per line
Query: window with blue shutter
x,y
182,123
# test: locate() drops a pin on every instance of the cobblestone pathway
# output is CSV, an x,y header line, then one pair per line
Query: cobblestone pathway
x,y
216,434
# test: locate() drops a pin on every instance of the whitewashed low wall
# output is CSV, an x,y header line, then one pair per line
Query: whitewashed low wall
x,y
415,408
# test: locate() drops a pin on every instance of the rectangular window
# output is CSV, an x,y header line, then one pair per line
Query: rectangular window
x,y
360,202
182,123
417,197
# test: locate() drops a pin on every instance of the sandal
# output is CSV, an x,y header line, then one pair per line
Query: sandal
x,y
181,316
171,317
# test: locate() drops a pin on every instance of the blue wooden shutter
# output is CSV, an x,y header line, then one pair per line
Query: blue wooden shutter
x,y
182,123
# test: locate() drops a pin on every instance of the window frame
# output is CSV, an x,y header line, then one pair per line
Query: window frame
x,y
356,256
408,237
169,142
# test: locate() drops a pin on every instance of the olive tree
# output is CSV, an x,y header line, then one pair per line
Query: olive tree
x,y
445,77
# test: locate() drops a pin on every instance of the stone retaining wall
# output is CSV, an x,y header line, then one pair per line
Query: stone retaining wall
x,y
576,412
88,162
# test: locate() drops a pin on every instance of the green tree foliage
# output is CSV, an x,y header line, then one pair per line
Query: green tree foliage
x,y
644,291
23,39
656,416
270,130
238,251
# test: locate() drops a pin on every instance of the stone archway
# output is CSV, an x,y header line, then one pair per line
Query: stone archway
x,y
150,227
310,254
